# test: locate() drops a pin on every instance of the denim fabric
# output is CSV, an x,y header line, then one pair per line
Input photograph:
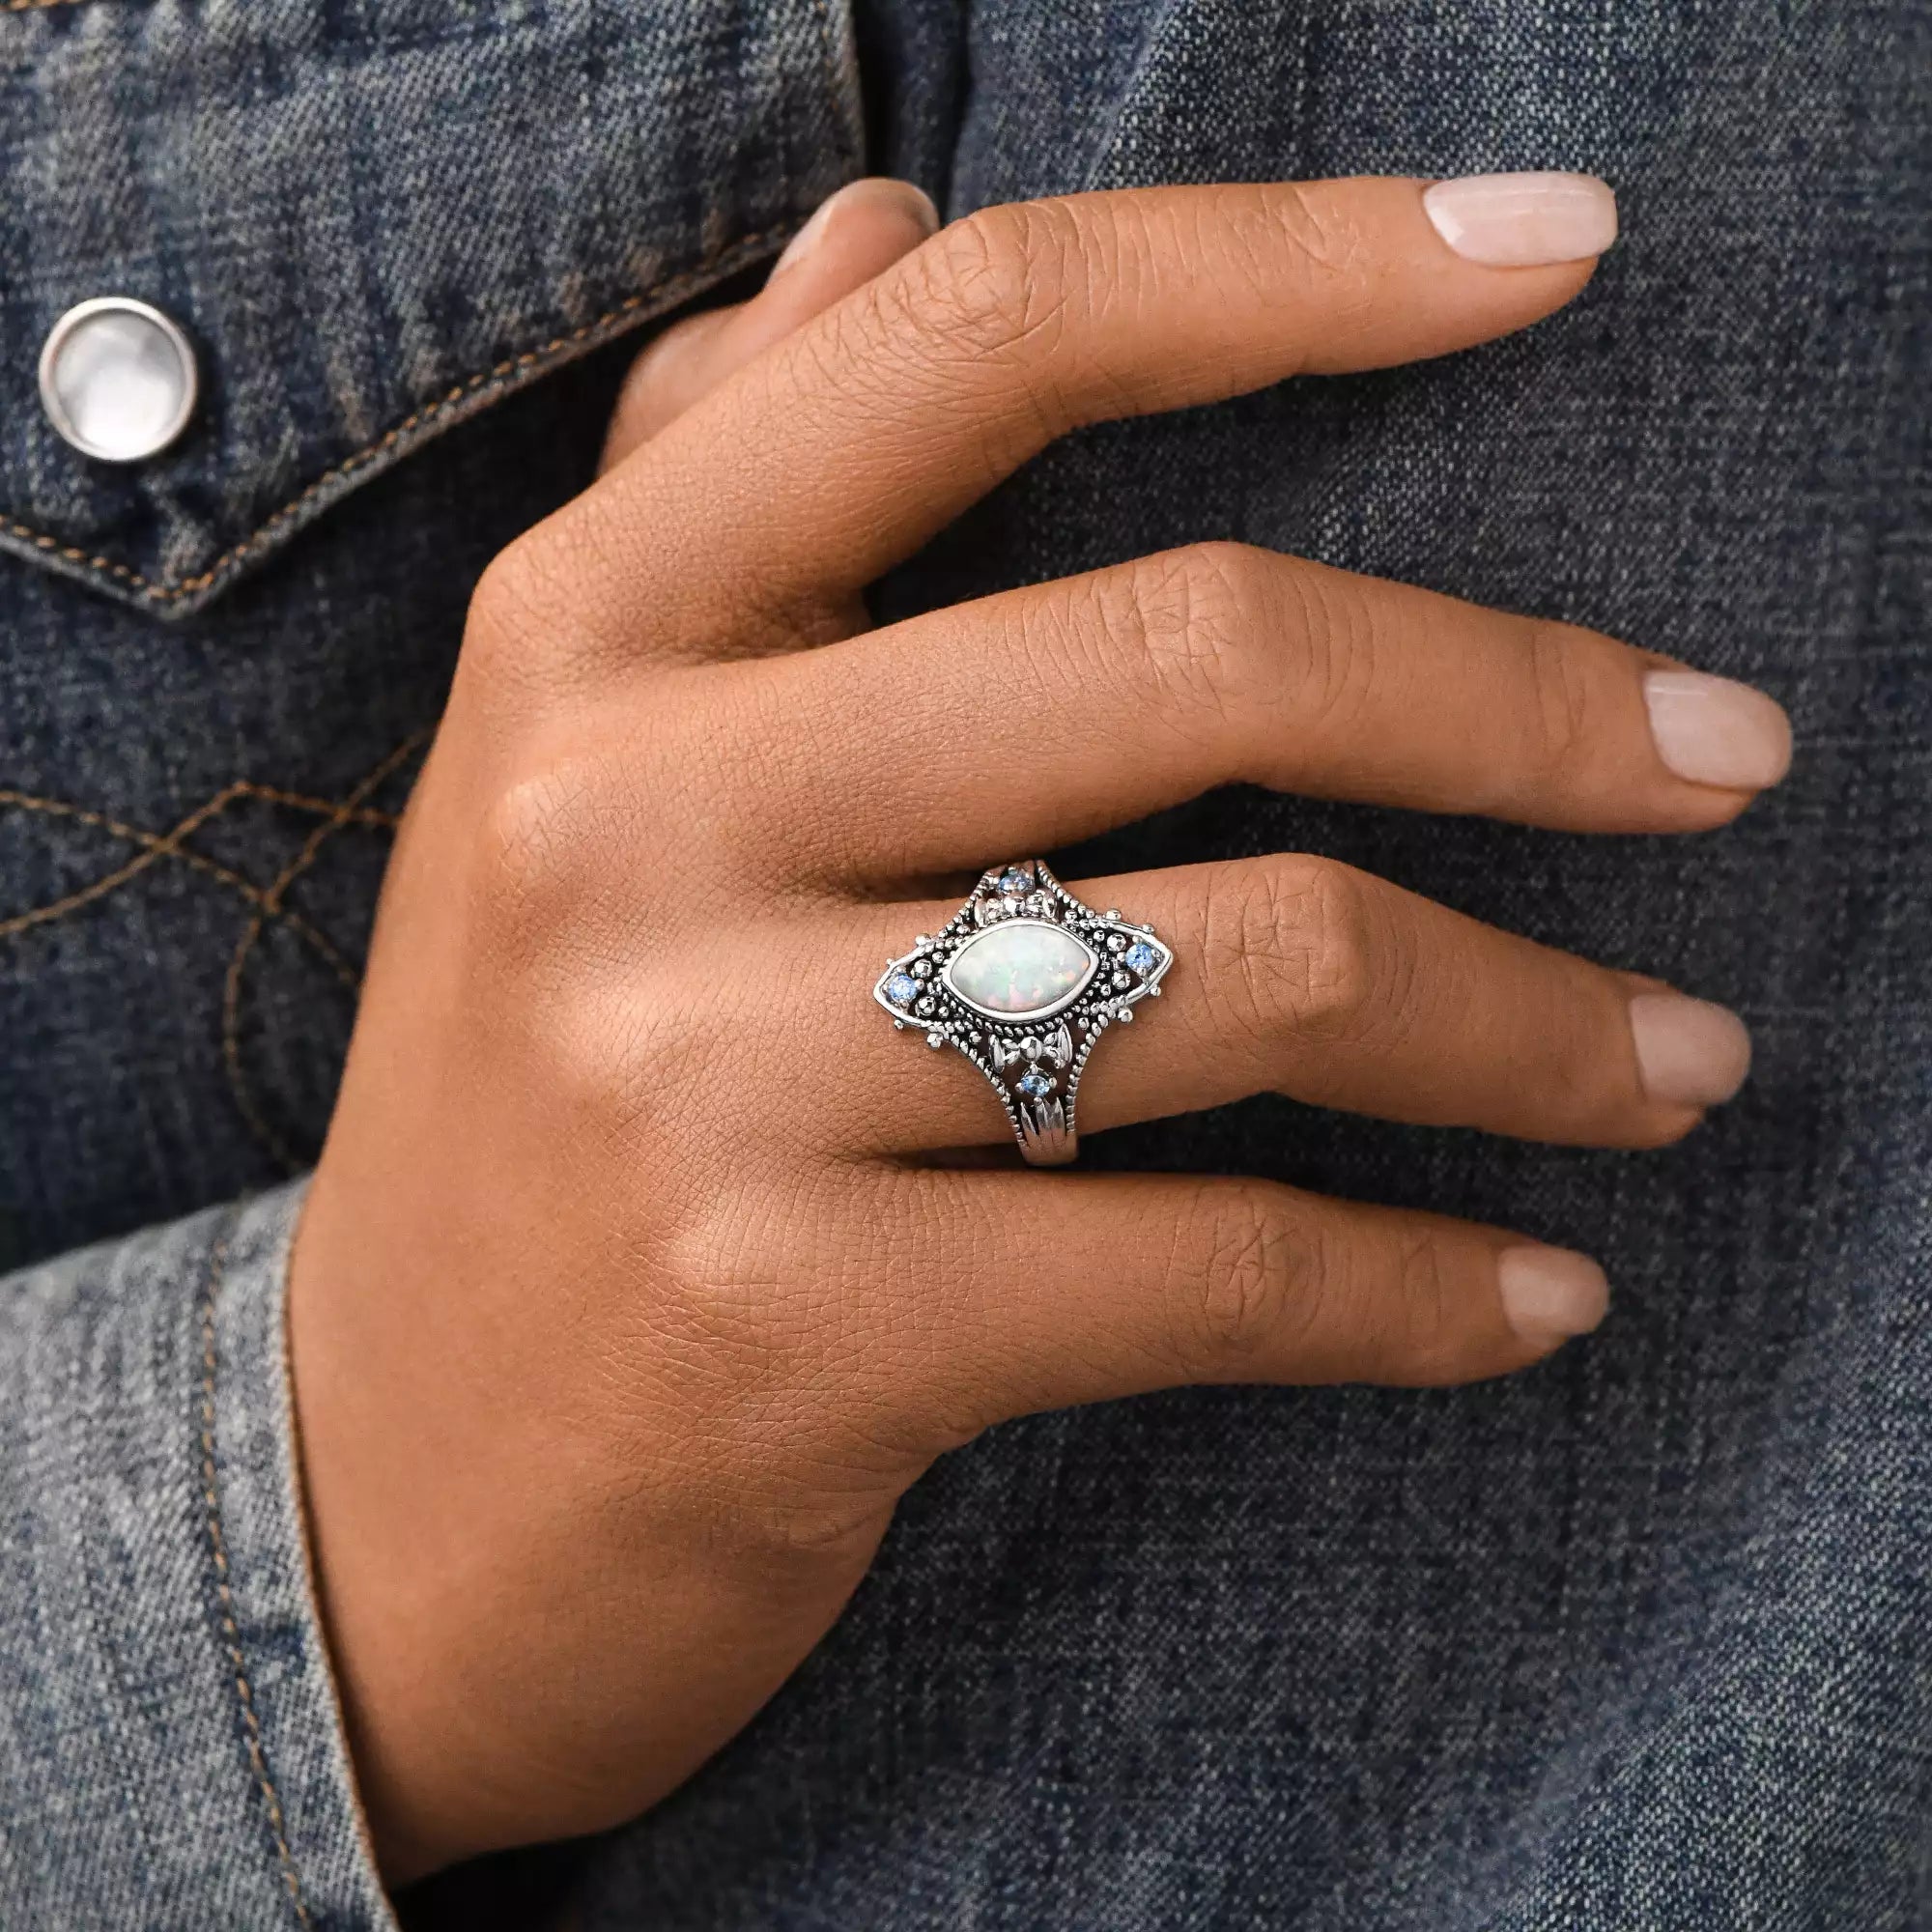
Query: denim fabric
x,y
1635,1643
172,1753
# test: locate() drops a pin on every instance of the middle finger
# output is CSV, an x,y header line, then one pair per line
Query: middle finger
x,y
1093,701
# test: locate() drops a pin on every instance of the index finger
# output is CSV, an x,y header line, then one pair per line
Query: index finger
x,y
854,441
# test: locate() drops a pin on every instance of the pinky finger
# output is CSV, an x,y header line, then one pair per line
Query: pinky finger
x,y
1153,1282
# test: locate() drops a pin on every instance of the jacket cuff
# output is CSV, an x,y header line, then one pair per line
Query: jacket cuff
x,y
171,1751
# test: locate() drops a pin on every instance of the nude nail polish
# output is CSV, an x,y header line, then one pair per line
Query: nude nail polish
x,y
1523,221
1549,1295
1689,1053
1714,731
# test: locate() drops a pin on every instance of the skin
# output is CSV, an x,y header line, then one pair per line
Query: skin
x,y
636,1284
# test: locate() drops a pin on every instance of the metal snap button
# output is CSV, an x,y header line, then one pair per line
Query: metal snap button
x,y
118,379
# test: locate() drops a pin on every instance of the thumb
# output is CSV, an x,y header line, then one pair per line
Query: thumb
x,y
855,235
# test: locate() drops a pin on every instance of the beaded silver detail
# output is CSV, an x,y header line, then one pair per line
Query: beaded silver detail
x,y
1023,979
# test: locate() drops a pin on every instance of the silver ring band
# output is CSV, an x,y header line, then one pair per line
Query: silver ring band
x,y
1024,979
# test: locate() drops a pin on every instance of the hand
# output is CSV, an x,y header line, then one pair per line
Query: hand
x,y
628,1299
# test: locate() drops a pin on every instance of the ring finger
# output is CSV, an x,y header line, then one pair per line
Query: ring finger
x,y
1301,975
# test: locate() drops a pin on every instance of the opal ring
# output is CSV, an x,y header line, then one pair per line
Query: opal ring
x,y
1024,979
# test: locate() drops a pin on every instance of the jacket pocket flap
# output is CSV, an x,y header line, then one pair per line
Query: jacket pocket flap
x,y
370,219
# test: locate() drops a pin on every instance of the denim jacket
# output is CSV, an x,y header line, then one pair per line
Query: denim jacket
x,y
1638,1640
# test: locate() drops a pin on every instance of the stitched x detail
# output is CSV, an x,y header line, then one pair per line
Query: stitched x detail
x,y
265,903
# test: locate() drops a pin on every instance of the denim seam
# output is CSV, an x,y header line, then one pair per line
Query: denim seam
x,y
155,846
38,5
251,1724
483,386
267,903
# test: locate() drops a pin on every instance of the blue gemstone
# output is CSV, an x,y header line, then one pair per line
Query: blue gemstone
x,y
1035,1086
1014,882
1141,956
902,989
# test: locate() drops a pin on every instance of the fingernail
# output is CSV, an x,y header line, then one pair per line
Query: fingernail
x,y
1523,221
1714,731
1551,1293
882,190
1689,1053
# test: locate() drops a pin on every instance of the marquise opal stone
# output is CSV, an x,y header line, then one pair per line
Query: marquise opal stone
x,y
1021,969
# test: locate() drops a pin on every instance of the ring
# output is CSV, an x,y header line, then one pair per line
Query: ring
x,y
1024,979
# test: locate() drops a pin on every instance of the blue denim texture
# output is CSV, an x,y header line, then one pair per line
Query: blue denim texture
x,y
1634,1643
171,1751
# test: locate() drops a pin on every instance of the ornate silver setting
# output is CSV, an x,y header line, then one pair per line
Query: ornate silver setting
x,y
1024,979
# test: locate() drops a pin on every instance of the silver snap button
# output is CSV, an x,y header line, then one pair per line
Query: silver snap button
x,y
118,379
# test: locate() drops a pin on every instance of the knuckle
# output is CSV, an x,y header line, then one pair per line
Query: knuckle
x,y
1247,634
1221,575
1386,1310
621,1061
726,1308
1190,615
610,1065
996,284
756,1316
511,604
1294,945
529,630
732,1315
649,795
1254,1294
543,837
1335,944
549,609
1282,1295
